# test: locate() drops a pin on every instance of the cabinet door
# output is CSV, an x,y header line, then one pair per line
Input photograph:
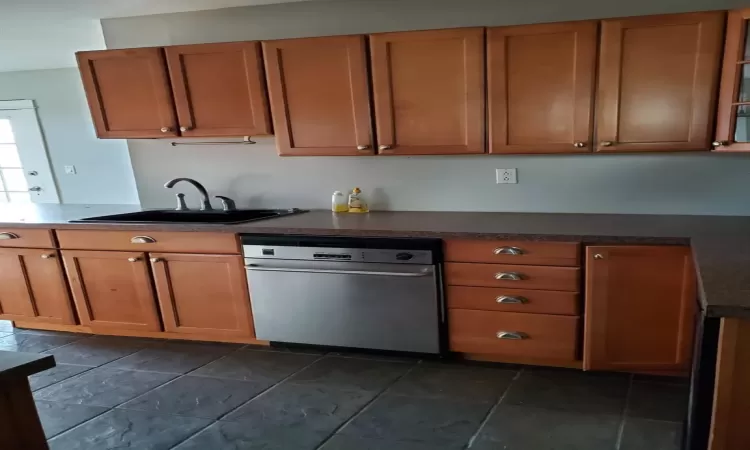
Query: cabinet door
x,y
112,290
219,89
203,294
428,90
319,95
733,120
657,82
32,287
530,110
640,308
128,93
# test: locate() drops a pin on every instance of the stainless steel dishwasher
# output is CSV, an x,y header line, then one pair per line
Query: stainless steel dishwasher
x,y
370,293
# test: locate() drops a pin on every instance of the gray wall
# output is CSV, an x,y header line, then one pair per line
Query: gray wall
x,y
671,183
105,175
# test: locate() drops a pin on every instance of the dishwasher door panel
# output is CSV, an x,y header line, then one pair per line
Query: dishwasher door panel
x,y
360,305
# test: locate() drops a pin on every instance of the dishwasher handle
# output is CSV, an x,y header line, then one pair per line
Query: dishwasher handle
x,y
256,267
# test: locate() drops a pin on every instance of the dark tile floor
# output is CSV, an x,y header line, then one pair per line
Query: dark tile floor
x,y
109,393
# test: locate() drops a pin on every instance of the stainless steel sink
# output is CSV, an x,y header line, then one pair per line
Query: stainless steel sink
x,y
173,216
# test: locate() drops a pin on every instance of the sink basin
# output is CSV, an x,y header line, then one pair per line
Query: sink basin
x,y
173,216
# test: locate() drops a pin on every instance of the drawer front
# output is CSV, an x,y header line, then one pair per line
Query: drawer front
x,y
512,276
514,252
146,241
27,238
514,334
513,300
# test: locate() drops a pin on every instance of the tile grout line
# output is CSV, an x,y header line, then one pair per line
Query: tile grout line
x,y
494,407
366,405
264,391
624,415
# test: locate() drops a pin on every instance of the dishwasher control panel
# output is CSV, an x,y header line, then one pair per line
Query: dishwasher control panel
x,y
365,255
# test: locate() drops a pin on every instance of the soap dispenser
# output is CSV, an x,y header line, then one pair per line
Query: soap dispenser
x,y
356,203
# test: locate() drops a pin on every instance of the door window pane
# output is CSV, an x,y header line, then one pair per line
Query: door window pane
x,y
3,197
15,180
6,133
742,127
744,93
746,53
19,197
9,156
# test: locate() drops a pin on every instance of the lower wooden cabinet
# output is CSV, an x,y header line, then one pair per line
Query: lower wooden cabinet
x,y
32,287
203,294
112,290
640,308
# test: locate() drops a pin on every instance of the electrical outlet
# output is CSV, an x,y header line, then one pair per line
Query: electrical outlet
x,y
506,176
70,170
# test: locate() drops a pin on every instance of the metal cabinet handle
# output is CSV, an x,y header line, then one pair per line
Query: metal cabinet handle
x,y
363,147
183,129
579,144
8,235
606,143
598,256
508,251
134,259
512,335
48,256
720,143
156,260
165,129
511,300
423,273
513,276
142,240
35,189
385,147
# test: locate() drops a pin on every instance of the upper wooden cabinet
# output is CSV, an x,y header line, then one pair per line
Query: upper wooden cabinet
x,y
319,95
428,90
540,87
218,89
657,82
733,123
128,93
640,308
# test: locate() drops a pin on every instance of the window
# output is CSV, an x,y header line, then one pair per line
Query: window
x,y
25,174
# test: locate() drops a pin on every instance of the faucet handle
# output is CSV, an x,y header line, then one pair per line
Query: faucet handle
x,y
181,205
227,203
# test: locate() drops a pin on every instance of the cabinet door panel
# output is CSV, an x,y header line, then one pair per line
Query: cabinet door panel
x,y
733,120
657,82
112,290
640,308
428,89
203,294
219,89
32,287
319,95
541,87
128,93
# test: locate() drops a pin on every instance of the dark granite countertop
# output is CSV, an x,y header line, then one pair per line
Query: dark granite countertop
x,y
721,244
17,365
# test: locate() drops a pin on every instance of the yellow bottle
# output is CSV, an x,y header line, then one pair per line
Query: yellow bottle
x,y
356,204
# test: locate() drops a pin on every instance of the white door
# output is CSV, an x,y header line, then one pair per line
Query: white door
x,y
25,173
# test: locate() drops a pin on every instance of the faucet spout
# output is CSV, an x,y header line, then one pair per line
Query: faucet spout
x,y
205,200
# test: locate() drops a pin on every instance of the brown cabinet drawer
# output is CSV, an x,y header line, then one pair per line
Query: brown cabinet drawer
x,y
514,252
146,241
513,300
514,334
25,237
512,276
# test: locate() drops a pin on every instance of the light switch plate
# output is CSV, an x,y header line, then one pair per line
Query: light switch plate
x,y
70,170
506,176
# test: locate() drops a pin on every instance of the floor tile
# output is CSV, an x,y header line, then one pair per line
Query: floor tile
x,y
658,401
50,333
640,434
351,373
238,436
98,350
437,421
56,374
343,442
298,408
34,343
289,348
260,366
208,398
684,381
525,428
569,390
378,356
450,381
58,417
174,357
103,387
121,428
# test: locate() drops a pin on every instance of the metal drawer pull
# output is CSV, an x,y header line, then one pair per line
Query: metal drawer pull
x,y
512,335
142,240
156,260
508,251
134,259
347,272
4,236
48,256
513,276
513,300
